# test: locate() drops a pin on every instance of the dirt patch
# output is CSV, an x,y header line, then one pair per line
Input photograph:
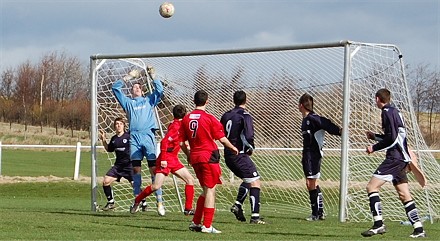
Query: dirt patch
x,y
19,179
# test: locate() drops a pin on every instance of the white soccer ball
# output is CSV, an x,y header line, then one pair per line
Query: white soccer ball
x,y
166,10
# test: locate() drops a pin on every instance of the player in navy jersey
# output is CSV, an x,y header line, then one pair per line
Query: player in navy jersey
x,y
120,144
201,129
313,128
239,129
142,125
393,168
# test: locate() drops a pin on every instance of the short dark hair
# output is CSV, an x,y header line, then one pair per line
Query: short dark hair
x,y
307,101
239,97
384,95
200,98
179,111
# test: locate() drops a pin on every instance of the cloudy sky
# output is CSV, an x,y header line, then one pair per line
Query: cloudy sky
x,y
33,28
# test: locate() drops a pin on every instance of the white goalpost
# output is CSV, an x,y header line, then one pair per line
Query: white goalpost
x,y
341,76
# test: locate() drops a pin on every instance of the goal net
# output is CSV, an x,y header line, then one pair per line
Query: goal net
x,y
342,77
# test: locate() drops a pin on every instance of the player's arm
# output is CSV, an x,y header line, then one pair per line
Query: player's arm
x,y
157,93
119,94
248,132
389,136
228,144
103,139
330,127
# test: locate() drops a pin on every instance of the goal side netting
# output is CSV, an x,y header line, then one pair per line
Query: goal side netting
x,y
342,77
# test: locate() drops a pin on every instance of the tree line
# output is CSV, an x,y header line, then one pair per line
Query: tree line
x,y
53,92
56,92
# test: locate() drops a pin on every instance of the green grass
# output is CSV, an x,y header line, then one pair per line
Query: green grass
x,y
60,211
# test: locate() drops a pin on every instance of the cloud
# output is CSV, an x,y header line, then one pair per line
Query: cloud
x,y
30,29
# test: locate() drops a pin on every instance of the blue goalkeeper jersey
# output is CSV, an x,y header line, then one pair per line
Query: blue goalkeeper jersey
x,y
139,110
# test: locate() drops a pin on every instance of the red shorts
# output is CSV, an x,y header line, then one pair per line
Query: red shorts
x,y
172,166
208,174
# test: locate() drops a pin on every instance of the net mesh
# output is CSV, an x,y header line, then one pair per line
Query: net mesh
x,y
274,80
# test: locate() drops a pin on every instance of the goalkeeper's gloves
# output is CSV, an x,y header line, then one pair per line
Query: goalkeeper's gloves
x,y
132,75
151,72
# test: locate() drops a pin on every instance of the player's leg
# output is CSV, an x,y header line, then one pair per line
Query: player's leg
x,y
137,181
184,174
150,149
196,224
373,188
313,196
158,192
254,198
250,175
106,185
412,213
321,214
136,157
212,176
234,164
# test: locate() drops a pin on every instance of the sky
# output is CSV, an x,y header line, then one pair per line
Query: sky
x,y
31,29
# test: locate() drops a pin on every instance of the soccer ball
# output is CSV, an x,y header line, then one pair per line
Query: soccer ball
x,y
166,10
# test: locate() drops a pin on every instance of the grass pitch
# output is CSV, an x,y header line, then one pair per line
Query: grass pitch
x,y
61,211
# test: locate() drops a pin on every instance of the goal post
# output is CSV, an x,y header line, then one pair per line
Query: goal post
x,y
341,76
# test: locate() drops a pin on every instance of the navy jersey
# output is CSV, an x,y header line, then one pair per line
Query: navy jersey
x,y
121,146
394,139
313,128
239,129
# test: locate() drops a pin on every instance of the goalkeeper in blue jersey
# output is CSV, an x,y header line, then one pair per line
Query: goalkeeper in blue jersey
x,y
142,126
313,128
239,129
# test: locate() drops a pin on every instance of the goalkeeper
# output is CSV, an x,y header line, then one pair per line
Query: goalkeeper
x,y
239,129
313,128
168,162
142,126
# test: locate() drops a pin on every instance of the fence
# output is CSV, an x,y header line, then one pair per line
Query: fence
x,y
78,148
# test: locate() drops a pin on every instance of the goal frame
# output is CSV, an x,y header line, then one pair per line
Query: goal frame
x,y
348,55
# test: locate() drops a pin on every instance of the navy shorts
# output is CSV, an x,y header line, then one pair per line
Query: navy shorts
x,y
119,172
243,167
393,171
311,165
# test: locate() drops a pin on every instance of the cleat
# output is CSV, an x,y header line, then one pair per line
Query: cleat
x,y
195,227
109,206
374,230
257,221
144,206
238,212
188,212
134,208
160,209
321,216
210,230
312,218
417,234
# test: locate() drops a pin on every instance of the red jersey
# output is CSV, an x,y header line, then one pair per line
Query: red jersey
x,y
170,144
201,129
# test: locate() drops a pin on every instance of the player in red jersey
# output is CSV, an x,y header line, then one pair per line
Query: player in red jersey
x,y
168,161
201,129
